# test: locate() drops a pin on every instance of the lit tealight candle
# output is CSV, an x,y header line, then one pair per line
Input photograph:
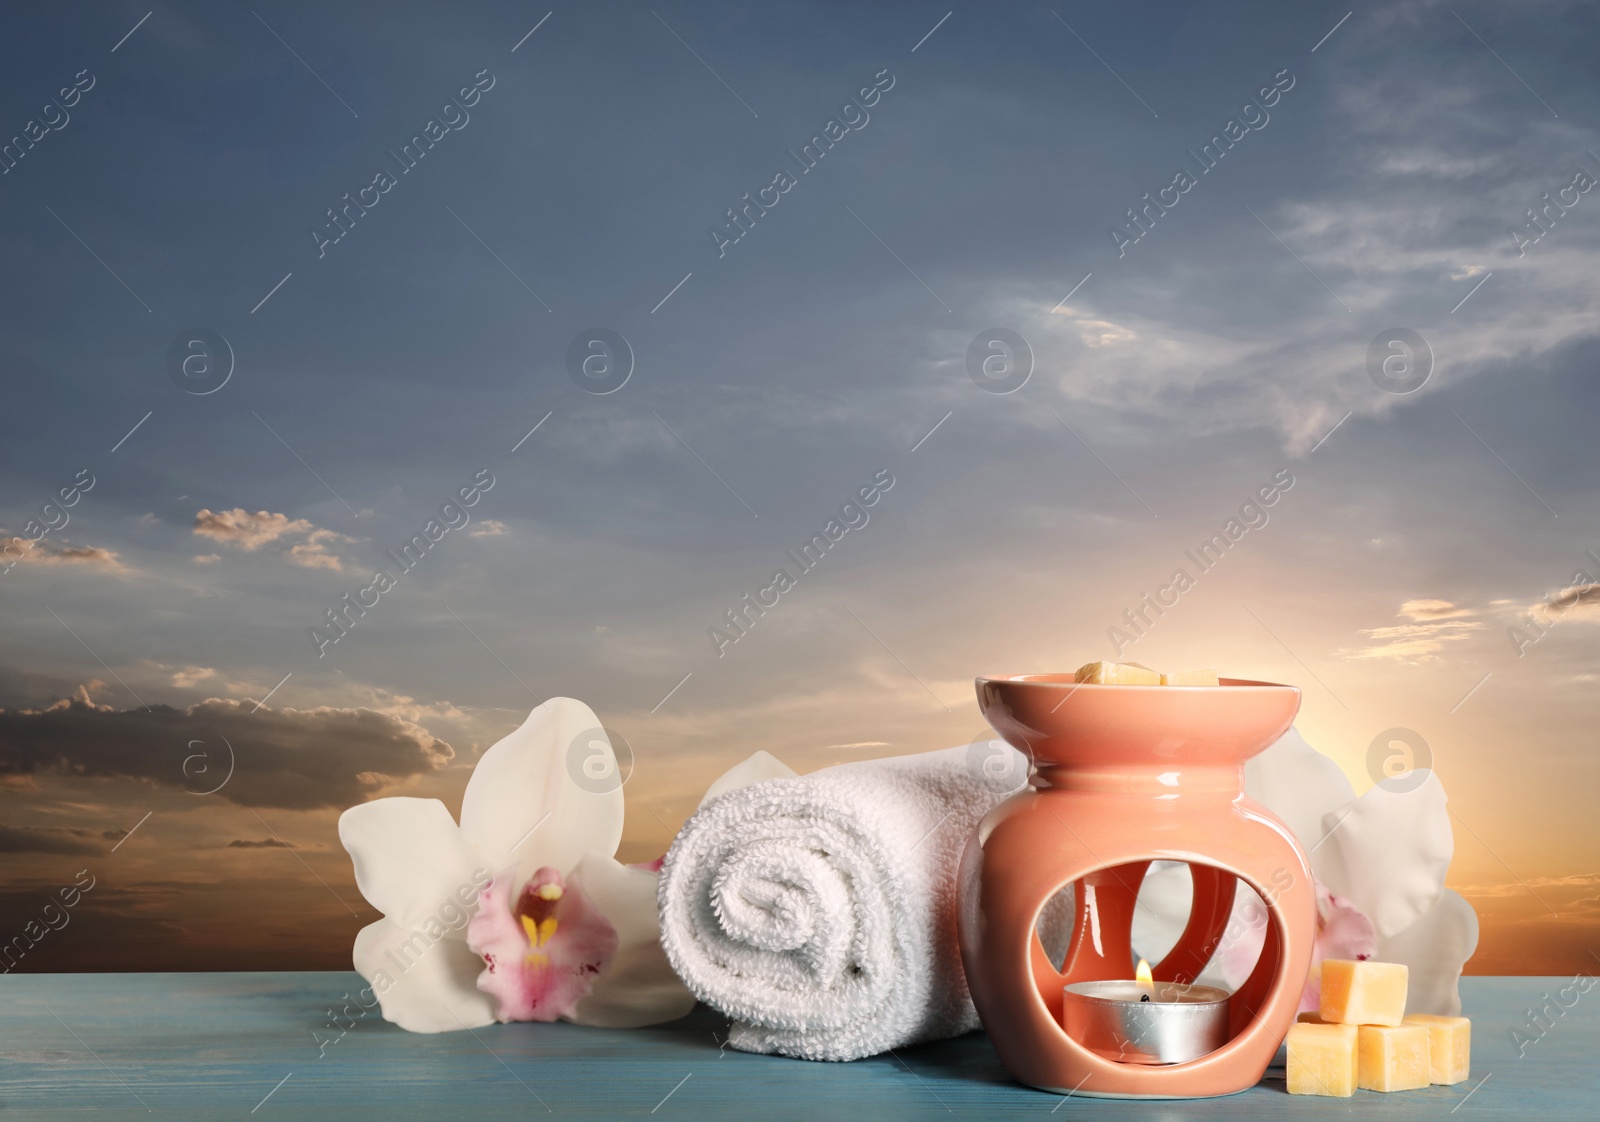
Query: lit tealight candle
x,y
1145,1022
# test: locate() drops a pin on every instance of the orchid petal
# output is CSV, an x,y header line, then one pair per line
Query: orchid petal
x,y
1388,852
1054,925
543,946
640,987
1298,784
1435,948
757,767
1165,899
423,985
1165,896
410,860
1243,936
1343,930
546,793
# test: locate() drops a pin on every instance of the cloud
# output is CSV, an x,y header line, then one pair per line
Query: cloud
x,y
1576,601
1095,332
1561,895
1440,623
489,528
1432,610
409,708
1580,601
313,552
1520,888
189,676
207,558
286,758
45,552
45,839
1408,215
208,678
264,843
249,532
85,555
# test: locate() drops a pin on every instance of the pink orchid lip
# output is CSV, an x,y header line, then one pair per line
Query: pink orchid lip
x,y
543,953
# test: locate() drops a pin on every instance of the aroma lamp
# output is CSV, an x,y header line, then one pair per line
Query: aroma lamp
x,y
1127,775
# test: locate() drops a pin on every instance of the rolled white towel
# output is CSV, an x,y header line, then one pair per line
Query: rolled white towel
x,y
819,912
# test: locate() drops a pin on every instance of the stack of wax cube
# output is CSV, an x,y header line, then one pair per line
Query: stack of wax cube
x,y
1362,1038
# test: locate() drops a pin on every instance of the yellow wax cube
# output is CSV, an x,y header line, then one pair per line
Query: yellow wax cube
x,y
1322,1060
1393,1058
1449,1046
1206,677
1363,993
1117,674
1310,1019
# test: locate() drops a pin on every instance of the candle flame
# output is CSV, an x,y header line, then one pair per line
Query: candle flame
x,y
1146,982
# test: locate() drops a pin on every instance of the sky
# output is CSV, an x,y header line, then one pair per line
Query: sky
x,y
228,191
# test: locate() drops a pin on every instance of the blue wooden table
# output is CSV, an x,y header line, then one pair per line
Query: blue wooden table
x,y
213,1046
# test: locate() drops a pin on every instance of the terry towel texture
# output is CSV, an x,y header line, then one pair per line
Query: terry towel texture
x,y
819,912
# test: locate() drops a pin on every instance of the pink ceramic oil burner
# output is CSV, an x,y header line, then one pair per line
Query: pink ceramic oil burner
x,y
1127,775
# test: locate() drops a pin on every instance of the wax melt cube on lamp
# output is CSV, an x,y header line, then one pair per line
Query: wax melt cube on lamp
x,y
1117,674
1133,674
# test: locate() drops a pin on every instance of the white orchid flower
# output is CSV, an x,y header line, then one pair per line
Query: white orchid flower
x,y
521,912
1379,862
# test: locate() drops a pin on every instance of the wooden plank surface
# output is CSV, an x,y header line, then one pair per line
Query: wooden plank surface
x,y
211,1046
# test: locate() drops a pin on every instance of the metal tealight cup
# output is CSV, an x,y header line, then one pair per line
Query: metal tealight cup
x,y
1178,1023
